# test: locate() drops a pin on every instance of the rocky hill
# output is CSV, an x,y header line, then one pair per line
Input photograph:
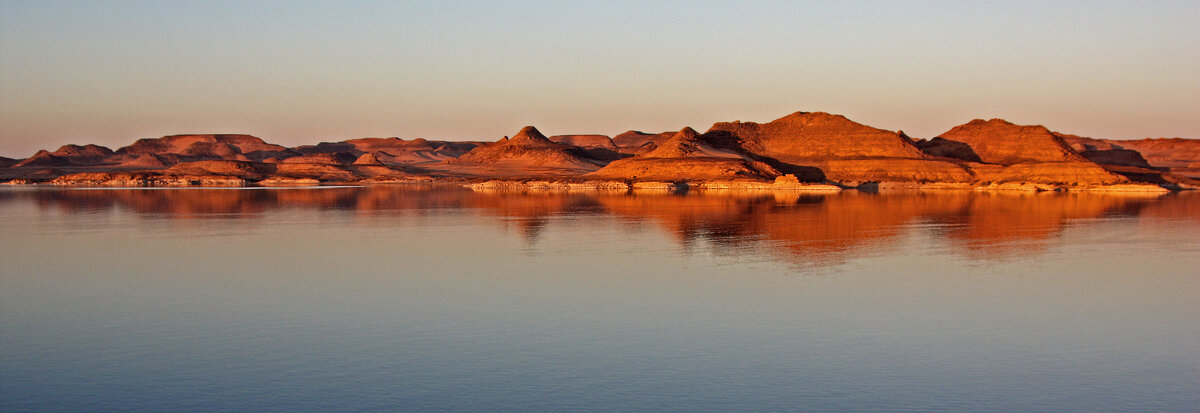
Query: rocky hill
x,y
803,149
1001,142
687,156
529,148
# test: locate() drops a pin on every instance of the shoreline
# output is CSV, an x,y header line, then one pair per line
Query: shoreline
x,y
573,184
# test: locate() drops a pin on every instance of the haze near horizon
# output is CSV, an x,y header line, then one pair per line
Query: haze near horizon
x,y
302,72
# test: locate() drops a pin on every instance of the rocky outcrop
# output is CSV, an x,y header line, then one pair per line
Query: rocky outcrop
x,y
639,139
1052,175
813,148
69,155
1170,167
141,161
1000,142
333,158
816,146
529,148
136,179
1028,154
369,159
804,136
599,147
208,147
242,169
42,158
687,156
1162,152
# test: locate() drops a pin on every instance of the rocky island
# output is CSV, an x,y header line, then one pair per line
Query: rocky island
x,y
800,151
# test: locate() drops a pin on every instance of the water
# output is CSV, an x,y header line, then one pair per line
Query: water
x,y
393,298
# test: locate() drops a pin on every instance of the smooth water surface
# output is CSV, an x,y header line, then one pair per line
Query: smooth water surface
x,y
403,299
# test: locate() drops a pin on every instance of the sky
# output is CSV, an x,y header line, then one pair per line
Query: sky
x,y
300,72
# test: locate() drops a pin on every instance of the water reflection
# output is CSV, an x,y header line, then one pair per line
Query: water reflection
x,y
818,229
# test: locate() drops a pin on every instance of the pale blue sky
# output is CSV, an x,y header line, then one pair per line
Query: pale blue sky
x,y
297,72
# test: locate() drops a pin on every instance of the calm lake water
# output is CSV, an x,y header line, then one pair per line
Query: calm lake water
x,y
401,299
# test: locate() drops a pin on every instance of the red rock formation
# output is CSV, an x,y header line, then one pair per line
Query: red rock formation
x,y
69,155
1170,166
817,135
1164,152
42,158
598,147
419,150
369,159
637,139
334,158
179,144
1029,154
1104,153
142,161
1001,142
529,148
585,141
89,151
243,169
815,146
686,156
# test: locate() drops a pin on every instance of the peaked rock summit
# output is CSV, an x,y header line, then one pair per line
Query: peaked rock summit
x,y
529,148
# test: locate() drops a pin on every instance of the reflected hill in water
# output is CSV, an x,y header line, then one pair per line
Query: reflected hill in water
x,y
809,229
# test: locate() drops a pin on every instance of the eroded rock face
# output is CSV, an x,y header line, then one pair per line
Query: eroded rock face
x,y
216,146
817,135
529,147
1001,142
369,159
816,146
687,156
